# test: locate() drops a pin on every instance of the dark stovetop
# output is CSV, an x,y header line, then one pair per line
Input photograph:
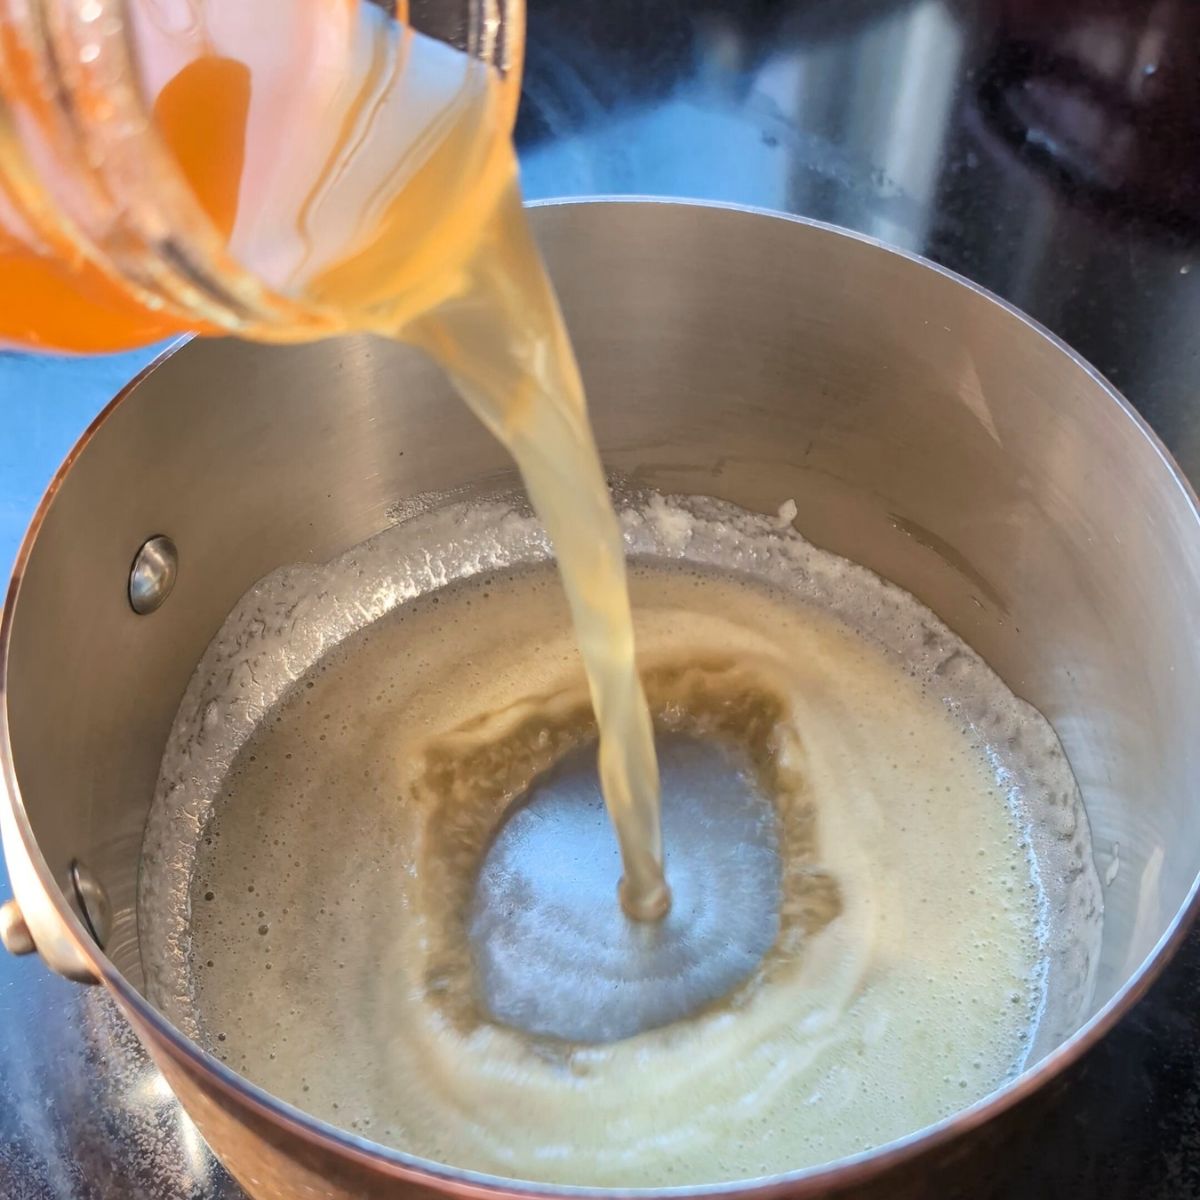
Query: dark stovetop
x,y
1049,150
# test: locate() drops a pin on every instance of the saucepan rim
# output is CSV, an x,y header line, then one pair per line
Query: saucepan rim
x,y
806,1182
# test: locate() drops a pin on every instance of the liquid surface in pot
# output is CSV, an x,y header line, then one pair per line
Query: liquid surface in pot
x,y
394,914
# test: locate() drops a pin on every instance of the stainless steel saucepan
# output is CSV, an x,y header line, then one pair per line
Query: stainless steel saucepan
x,y
923,428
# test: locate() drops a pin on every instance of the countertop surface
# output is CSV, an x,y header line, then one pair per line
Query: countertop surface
x,y
1049,151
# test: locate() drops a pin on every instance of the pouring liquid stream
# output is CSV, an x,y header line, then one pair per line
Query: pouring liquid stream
x,y
491,320
396,210
506,348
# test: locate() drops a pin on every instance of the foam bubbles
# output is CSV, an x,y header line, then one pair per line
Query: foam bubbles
x,y
939,807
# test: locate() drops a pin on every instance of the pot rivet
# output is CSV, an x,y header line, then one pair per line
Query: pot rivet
x,y
154,572
14,933
92,903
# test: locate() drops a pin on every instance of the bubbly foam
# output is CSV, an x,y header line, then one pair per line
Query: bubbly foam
x,y
322,815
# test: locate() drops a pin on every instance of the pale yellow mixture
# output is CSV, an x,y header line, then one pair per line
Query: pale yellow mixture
x,y
322,901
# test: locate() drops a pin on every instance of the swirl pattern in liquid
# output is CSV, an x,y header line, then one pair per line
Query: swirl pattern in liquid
x,y
369,750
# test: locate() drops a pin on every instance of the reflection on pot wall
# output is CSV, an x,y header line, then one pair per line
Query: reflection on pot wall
x,y
1049,151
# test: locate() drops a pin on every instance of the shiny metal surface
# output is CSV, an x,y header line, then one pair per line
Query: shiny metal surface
x,y
155,569
888,117
922,428
873,114
87,896
83,893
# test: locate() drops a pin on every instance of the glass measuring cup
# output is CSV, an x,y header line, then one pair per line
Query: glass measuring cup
x,y
280,170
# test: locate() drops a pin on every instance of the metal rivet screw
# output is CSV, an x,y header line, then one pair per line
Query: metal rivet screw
x,y
91,901
14,933
154,572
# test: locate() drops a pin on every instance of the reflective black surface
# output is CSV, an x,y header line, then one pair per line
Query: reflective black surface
x,y
1048,150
